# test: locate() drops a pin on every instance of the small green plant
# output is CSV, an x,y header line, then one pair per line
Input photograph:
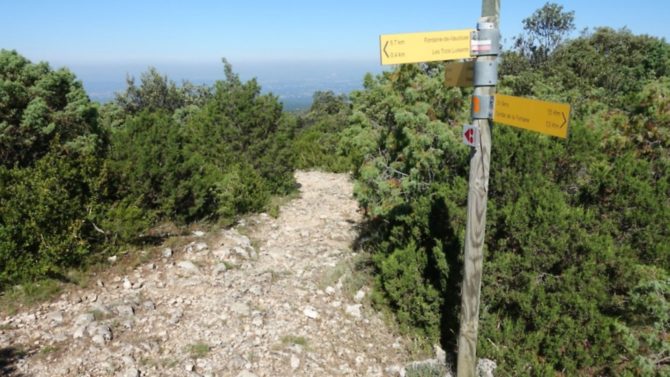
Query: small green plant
x,y
332,275
294,340
252,357
277,201
99,315
273,211
29,294
230,266
79,277
354,273
278,275
169,362
47,350
198,350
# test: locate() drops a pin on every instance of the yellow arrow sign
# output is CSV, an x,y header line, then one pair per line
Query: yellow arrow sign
x,y
459,74
549,118
425,47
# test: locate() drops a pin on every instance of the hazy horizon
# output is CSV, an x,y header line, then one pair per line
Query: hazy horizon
x,y
294,82
292,47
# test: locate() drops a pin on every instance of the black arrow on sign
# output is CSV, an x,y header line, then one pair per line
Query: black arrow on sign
x,y
564,120
386,45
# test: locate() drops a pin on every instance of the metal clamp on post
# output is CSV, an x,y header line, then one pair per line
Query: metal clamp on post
x,y
486,40
482,107
485,73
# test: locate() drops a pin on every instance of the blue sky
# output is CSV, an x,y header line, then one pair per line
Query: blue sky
x,y
293,47
201,31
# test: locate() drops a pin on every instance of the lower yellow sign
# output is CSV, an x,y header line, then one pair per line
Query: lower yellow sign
x,y
425,47
459,74
550,118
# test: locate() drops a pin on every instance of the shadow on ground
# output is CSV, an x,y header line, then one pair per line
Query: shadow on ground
x,y
9,356
443,271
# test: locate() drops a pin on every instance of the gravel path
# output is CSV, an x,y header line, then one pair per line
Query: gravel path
x,y
269,297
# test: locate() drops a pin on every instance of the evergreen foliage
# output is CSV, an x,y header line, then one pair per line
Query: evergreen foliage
x,y
157,92
544,31
214,154
577,249
45,216
50,152
316,144
577,255
39,105
78,179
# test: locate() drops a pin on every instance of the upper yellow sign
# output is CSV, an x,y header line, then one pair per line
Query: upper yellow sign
x,y
549,118
425,47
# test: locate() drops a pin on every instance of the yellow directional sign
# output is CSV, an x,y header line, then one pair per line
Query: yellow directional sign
x,y
459,74
425,47
549,118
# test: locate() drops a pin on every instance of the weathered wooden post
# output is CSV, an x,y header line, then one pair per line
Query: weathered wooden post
x,y
485,46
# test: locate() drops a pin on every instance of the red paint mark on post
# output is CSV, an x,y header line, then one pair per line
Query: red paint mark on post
x,y
471,135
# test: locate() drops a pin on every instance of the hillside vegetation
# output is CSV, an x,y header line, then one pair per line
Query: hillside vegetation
x,y
577,255
577,252
78,179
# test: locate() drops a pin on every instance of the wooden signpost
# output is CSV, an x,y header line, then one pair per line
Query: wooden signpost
x,y
545,117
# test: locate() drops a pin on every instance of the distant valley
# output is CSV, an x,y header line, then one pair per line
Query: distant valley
x,y
293,82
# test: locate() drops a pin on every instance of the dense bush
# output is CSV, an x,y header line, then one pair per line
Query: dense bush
x,y
45,218
77,179
152,164
50,153
577,253
410,181
39,105
186,154
316,144
239,124
157,92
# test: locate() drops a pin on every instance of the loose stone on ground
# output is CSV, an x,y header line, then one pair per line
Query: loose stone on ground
x,y
258,299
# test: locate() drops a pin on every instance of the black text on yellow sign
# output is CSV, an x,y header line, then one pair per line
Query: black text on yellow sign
x,y
425,47
550,118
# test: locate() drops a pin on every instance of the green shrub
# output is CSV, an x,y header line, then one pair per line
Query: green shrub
x,y
574,228
70,189
316,149
316,145
44,225
239,124
39,105
241,190
221,155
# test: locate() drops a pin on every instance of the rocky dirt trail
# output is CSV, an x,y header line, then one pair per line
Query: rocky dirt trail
x,y
264,298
